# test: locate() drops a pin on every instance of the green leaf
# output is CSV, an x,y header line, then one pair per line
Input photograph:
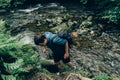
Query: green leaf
x,y
8,77
10,67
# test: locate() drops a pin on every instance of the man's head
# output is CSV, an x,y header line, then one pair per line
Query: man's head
x,y
40,40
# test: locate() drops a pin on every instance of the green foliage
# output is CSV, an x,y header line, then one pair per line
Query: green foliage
x,y
115,78
108,10
11,3
2,24
8,77
44,71
18,2
112,14
16,67
102,77
15,57
83,1
66,68
5,3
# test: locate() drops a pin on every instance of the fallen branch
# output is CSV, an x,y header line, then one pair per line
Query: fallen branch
x,y
47,76
77,75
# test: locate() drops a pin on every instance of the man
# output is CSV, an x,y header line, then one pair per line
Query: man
x,y
58,46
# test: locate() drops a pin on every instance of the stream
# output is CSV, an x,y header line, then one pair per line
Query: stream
x,y
92,55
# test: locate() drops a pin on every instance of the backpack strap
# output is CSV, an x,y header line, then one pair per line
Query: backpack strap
x,y
53,38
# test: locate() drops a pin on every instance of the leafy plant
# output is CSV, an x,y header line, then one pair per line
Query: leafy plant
x,y
66,68
17,2
102,77
16,59
5,3
112,14
115,78
109,10
11,3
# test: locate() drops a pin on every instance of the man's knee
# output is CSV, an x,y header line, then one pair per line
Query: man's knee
x,y
58,64
69,64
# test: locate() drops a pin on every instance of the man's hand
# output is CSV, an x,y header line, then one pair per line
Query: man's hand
x,y
66,55
44,51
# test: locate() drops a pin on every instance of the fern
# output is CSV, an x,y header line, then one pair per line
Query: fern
x,y
15,57
7,3
10,67
2,25
109,10
8,77
112,14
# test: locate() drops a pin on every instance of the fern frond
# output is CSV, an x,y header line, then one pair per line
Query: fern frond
x,y
2,25
10,67
8,77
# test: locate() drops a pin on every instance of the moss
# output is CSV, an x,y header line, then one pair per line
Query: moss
x,y
115,78
102,77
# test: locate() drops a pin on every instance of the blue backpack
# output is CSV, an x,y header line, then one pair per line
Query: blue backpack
x,y
66,35
62,34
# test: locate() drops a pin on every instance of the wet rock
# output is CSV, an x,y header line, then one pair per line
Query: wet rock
x,y
3,11
28,10
51,5
59,27
54,21
26,37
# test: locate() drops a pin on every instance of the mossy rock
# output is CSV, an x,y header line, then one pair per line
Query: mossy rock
x,y
115,78
59,27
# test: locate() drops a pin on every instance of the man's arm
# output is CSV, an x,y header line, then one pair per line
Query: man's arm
x,y
66,55
44,50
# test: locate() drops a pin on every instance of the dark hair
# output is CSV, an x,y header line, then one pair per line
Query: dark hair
x,y
39,39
